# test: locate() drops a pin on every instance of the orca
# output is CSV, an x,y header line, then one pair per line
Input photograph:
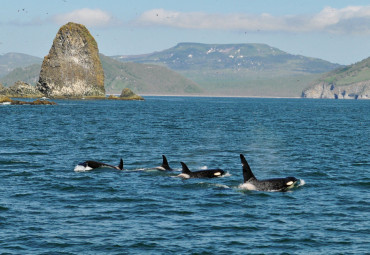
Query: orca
x,y
211,173
165,166
89,165
275,184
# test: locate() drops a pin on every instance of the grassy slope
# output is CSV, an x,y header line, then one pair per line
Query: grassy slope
x,y
142,78
350,74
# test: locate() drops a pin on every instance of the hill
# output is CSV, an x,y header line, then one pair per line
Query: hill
x,y
349,82
239,69
29,74
10,61
141,78
144,78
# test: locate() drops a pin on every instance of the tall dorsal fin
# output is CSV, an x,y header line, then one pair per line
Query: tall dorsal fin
x,y
185,169
120,166
165,164
247,172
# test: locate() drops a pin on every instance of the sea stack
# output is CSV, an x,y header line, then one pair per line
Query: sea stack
x,y
72,69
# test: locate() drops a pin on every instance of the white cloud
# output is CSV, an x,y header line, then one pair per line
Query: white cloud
x,y
351,19
87,17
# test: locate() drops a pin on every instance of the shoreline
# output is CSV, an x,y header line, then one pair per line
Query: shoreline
x,y
206,95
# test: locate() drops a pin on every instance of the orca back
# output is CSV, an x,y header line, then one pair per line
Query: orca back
x,y
212,173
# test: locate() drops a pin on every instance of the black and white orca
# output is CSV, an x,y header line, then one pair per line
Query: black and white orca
x,y
165,166
275,184
211,173
89,165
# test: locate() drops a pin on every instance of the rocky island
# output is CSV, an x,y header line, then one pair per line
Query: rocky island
x,y
72,69
126,94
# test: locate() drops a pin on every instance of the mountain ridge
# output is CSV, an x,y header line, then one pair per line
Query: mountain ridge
x,y
248,69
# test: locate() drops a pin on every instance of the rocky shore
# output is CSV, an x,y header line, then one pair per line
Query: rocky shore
x,y
359,90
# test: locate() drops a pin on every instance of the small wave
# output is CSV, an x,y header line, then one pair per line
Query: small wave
x,y
301,183
221,186
227,174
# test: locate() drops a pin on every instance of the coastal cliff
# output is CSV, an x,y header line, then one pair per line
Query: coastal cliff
x,y
359,90
349,82
72,69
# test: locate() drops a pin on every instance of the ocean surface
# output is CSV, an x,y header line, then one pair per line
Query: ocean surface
x,y
48,208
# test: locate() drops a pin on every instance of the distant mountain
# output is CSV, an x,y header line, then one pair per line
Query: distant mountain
x,y
349,82
141,78
239,69
10,61
255,57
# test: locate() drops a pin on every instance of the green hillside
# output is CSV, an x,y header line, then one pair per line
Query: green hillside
x,y
28,74
144,79
10,61
349,74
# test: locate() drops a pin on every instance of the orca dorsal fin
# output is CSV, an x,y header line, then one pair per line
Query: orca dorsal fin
x,y
120,166
185,169
247,172
165,164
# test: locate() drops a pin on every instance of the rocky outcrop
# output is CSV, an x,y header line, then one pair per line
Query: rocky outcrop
x,y
126,94
7,100
72,69
21,89
129,95
359,90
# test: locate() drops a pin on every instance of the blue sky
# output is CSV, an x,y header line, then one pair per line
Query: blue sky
x,y
337,31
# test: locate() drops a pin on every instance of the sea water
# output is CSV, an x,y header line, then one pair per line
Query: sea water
x,y
48,208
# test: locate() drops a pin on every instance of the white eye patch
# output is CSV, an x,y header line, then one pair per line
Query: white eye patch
x,y
289,183
217,173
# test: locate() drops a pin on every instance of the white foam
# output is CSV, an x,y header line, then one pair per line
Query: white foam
x,y
80,168
227,174
301,182
204,168
247,186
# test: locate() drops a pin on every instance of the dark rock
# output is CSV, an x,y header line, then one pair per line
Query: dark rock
x,y
127,94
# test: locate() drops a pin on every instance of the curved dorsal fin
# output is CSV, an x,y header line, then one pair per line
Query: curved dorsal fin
x,y
247,172
165,164
185,169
